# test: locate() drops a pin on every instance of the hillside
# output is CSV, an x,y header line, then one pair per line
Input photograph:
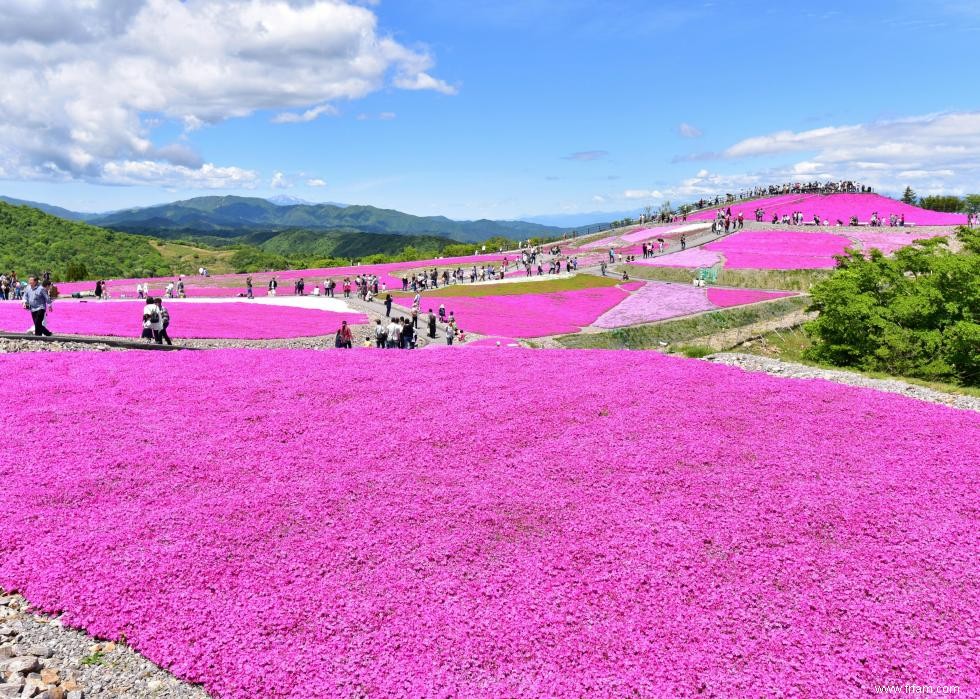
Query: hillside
x,y
47,208
32,241
231,216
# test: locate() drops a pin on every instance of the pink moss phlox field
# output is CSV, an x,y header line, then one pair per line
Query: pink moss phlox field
x,y
836,207
234,284
656,301
634,285
888,240
530,315
725,298
230,320
780,250
769,537
692,257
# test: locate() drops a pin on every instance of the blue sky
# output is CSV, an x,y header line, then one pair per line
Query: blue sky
x,y
483,109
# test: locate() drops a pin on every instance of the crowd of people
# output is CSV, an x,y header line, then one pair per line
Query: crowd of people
x,y
838,187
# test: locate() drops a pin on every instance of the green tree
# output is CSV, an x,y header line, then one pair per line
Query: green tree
x,y
909,196
915,314
945,203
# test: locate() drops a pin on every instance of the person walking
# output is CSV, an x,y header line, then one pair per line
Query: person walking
x,y
165,318
394,334
388,305
37,301
98,289
152,322
450,333
380,334
273,285
345,338
248,287
432,324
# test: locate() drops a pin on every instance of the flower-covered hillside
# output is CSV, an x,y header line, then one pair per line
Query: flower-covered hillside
x,y
527,532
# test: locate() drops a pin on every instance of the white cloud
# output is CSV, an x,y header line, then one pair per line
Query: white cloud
x,y
87,81
387,116
642,194
689,131
207,176
279,181
308,115
424,81
933,152
316,182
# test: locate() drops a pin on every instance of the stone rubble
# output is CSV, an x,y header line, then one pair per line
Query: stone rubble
x,y
777,367
42,659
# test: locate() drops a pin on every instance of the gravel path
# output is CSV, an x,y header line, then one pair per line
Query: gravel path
x,y
42,659
777,367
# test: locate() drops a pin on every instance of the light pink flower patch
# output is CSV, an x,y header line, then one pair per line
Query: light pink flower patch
x,y
188,320
656,301
888,240
569,524
725,298
531,315
780,250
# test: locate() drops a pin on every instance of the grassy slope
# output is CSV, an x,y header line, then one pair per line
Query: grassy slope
x,y
789,280
579,281
677,331
790,345
187,258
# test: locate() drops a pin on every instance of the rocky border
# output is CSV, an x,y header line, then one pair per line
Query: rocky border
x,y
778,367
40,658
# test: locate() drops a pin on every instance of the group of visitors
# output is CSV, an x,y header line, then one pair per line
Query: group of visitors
x,y
973,220
831,187
726,222
156,320
652,248
11,288
172,290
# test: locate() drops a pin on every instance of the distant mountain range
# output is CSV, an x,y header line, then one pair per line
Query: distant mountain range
x,y
233,217
48,209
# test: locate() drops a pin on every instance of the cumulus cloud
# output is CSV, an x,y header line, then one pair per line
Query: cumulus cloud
x,y
279,181
316,182
587,155
933,152
689,131
87,81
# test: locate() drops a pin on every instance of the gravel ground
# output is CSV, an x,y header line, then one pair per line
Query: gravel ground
x,y
10,345
42,659
777,367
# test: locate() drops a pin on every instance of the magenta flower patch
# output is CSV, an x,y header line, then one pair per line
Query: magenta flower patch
x,y
780,250
563,524
530,315
230,320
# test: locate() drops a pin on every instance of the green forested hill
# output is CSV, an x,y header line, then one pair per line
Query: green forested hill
x,y
233,216
32,241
